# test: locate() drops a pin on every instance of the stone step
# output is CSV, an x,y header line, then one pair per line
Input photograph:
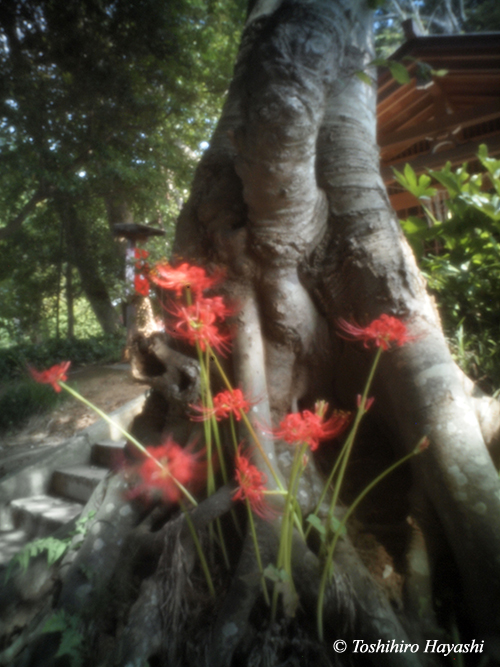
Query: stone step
x,y
108,453
39,516
76,482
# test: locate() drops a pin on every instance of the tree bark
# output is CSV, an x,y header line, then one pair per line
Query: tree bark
x,y
289,195
82,258
70,333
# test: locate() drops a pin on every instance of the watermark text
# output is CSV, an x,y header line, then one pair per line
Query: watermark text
x,y
393,646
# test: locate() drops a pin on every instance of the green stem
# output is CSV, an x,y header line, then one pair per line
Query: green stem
x,y
257,550
129,437
213,421
327,484
249,426
352,435
206,402
341,526
199,551
210,427
284,560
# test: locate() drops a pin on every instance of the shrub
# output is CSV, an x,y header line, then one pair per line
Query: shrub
x,y
25,399
104,349
460,257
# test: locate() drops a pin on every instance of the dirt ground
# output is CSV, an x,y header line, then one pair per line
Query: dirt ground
x,y
108,387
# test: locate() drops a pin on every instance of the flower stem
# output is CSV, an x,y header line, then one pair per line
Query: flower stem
x,y
342,524
129,437
350,440
248,424
199,551
253,532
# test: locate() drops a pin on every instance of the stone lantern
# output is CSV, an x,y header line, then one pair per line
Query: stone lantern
x,y
133,233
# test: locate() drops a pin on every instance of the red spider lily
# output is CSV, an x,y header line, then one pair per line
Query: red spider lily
x,y
225,403
251,485
310,428
185,275
53,375
139,253
178,464
141,285
197,323
381,332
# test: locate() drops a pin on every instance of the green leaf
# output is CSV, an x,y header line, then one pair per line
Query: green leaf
x,y
364,77
336,526
81,526
487,204
418,187
447,178
56,623
272,573
414,226
411,178
316,522
71,643
439,72
399,72
54,547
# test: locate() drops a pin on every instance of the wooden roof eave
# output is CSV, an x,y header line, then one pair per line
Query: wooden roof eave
x,y
405,138
456,155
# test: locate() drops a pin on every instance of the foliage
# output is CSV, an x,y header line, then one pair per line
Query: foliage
x,y
24,400
99,102
460,257
14,359
431,17
71,644
54,547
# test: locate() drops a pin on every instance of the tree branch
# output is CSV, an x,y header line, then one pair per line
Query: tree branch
x,y
16,223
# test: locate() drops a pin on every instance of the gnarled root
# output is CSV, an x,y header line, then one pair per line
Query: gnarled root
x,y
157,620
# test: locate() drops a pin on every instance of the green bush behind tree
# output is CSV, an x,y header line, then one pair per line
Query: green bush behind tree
x,y
460,258
21,397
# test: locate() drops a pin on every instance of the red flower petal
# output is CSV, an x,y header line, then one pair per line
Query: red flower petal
x,y
380,333
311,428
52,376
177,463
140,253
198,323
224,403
251,485
185,275
141,285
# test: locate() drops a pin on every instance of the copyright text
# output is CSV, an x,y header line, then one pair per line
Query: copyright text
x,y
393,646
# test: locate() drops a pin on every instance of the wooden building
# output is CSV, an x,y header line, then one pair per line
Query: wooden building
x,y
435,119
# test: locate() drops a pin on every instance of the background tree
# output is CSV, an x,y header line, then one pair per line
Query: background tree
x,y
432,17
104,102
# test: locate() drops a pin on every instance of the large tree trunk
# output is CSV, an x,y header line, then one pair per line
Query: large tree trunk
x,y
290,196
289,199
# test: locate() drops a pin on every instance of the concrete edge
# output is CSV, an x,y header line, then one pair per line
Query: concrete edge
x,y
34,478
